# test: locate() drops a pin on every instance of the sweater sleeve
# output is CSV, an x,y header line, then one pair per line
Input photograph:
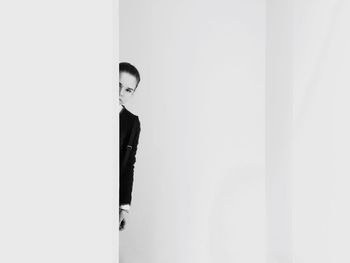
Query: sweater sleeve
x,y
132,147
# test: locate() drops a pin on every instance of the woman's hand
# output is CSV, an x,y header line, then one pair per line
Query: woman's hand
x,y
122,219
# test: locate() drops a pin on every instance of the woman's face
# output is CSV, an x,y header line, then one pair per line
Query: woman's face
x,y
127,86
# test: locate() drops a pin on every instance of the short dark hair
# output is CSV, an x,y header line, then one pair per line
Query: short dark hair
x,y
127,67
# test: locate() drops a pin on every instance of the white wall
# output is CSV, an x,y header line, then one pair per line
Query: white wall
x,y
58,134
199,192
321,64
279,107
307,73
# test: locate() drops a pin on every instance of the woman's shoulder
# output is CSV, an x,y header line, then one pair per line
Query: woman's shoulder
x,y
131,115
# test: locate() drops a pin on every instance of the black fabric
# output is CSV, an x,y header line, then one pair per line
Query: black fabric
x,y
129,132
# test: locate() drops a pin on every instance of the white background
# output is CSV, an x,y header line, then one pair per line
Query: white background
x,y
199,189
307,131
321,62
